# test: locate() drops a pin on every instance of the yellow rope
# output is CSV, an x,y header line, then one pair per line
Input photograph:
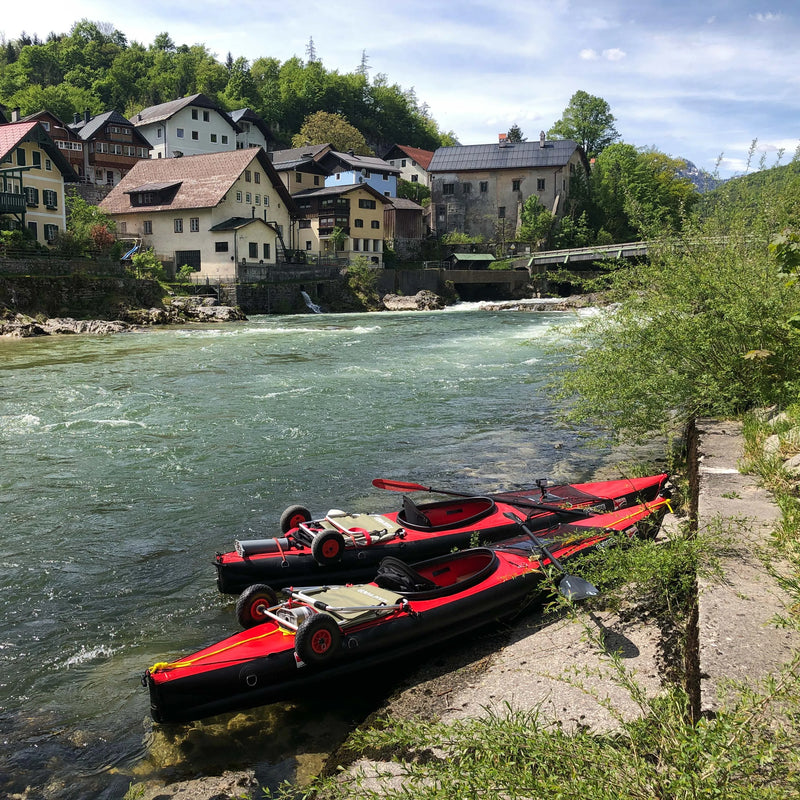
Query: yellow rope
x,y
163,665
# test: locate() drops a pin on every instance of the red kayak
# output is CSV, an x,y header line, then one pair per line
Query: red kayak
x,y
325,633
343,547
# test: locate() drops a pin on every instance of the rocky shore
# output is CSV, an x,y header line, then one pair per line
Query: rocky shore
x,y
176,310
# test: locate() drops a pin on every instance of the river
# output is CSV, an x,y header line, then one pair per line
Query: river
x,y
128,460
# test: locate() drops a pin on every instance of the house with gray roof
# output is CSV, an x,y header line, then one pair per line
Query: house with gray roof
x,y
254,131
187,126
479,189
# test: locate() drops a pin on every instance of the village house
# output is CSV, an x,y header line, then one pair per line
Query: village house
x,y
254,132
227,215
348,169
479,189
354,214
32,175
413,163
298,167
188,126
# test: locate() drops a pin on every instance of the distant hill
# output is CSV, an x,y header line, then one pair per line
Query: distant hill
x,y
704,181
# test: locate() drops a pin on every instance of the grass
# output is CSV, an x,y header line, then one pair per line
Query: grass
x,y
749,749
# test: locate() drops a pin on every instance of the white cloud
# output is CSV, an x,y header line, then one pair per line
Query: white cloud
x,y
614,54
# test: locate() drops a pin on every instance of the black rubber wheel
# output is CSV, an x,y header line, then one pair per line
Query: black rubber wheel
x,y
293,516
327,548
252,604
317,639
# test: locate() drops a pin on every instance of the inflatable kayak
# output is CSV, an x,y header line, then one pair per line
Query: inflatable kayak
x,y
325,633
342,547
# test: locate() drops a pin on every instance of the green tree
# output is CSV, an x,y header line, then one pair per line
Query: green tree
x,y
515,134
536,222
324,128
588,121
417,192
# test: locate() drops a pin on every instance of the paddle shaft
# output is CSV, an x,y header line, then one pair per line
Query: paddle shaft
x,y
401,486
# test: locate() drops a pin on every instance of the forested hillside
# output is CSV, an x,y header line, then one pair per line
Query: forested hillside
x,y
95,67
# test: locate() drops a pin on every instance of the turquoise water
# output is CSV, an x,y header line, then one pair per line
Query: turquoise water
x,y
128,460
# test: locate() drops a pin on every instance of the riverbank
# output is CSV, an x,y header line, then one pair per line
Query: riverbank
x,y
551,664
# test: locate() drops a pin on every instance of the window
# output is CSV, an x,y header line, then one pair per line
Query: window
x,y
448,188
515,184
238,197
158,133
20,157
359,223
50,198
540,184
248,198
316,180
308,245
50,232
298,177
179,133
214,137
101,147
415,179
386,176
248,176
375,224
177,225
195,136
258,199
305,223
37,159
147,227
367,203
220,247
402,163
501,212
206,116
266,250
32,227
466,188
194,224
31,196
256,177
224,139
48,165
46,125
356,244
266,200
117,149
194,113
252,249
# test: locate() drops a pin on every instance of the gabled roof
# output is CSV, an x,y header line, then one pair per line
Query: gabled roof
x,y
13,134
234,223
248,115
166,110
302,165
89,129
508,155
308,152
404,204
55,123
422,157
351,161
204,180
328,191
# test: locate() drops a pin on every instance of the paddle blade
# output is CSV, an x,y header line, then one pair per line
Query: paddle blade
x,y
399,486
575,588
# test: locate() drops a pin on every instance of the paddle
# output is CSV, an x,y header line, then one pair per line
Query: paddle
x,y
402,486
571,586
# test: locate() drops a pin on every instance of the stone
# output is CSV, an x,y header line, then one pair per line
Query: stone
x,y
422,301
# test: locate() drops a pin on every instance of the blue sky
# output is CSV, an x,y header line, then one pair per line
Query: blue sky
x,y
697,80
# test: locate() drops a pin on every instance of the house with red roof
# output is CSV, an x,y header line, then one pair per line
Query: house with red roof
x,y
227,215
32,175
413,163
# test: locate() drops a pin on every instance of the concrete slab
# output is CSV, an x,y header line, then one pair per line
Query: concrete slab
x,y
737,635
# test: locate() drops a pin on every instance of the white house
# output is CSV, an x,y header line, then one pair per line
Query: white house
x,y
185,127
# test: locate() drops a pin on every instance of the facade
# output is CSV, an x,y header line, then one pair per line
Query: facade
x,y
412,162
357,211
254,132
479,190
189,126
111,146
348,169
32,175
220,213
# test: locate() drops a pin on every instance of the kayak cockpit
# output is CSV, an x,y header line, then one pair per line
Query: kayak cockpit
x,y
445,514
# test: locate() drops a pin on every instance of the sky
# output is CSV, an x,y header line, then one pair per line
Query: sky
x,y
696,79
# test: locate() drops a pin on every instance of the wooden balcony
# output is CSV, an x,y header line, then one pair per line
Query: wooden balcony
x,y
12,203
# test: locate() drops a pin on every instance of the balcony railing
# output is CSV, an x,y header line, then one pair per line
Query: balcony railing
x,y
12,203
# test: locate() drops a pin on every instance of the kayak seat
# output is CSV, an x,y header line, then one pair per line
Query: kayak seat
x,y
396,576
412,514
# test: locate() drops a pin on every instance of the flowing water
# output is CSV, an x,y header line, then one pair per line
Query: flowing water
x,y
128,460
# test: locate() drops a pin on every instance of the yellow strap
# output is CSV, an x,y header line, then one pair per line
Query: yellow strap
x,y
164,665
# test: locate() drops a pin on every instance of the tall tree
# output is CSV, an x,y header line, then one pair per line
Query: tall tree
x,y
515,134
588,121
334,129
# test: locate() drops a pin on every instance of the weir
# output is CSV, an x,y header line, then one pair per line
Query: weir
x,y
312,305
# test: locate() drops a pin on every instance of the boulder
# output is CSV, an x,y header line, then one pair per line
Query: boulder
x,y
422,301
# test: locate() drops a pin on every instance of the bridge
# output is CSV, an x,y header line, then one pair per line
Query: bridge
x,y
576,255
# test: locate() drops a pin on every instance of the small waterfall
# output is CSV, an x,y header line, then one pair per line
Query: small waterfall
x,y
312,305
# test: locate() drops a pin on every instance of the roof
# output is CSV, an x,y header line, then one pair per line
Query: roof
x,y
403,204
336,190
510,155
472,256
355,162
248,115
422,157
164,111
89,129
203,180
309,151
300,165
13,134
234,223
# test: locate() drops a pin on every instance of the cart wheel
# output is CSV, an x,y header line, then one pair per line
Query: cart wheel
x,y
293,516
317,639
252,604
327,548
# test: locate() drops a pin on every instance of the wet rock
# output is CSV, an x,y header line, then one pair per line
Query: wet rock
x,y
422,301
241,784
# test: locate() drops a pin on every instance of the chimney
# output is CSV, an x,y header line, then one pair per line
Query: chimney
x,y
502,140
541,139
76,118
86,115
15,114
